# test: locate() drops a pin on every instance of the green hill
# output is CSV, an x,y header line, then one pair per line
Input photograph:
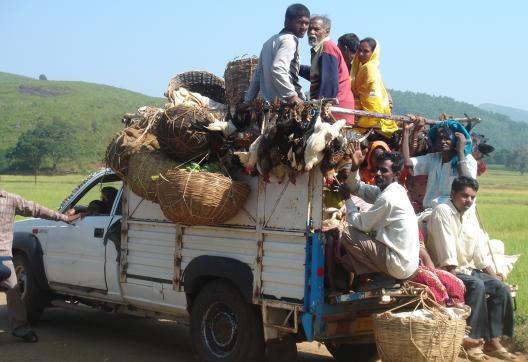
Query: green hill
x,y
499,128
95,111
516,114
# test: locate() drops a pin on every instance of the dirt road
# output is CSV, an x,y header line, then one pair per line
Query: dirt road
x,y
94,336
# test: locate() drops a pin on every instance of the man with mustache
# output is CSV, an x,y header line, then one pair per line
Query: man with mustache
x,y
456,246
384,238
328,73
277,73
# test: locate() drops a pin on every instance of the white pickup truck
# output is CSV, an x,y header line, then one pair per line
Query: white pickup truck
x,y
249,288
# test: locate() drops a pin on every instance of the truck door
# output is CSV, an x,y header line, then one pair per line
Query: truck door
x,y
75,254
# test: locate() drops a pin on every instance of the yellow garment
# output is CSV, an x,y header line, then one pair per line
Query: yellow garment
x,y
367,85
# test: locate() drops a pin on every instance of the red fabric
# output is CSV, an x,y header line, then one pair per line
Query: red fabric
x,y
481,167
344,89
446,287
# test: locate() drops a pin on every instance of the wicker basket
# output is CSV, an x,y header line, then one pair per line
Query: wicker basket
x,y
130,141
176,134
205,83
410,338
237,77
144,171
200,198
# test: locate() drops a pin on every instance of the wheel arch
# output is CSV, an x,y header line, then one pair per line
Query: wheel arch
x,y
29,245
205,268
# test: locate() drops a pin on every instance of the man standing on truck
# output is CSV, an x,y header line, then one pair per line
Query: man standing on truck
x,y
11,205
277,73
456,247
328,73
384,238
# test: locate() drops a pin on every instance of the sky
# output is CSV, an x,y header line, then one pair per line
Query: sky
x,y
473,51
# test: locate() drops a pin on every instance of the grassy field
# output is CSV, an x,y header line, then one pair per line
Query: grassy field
x,y
49,190
502,205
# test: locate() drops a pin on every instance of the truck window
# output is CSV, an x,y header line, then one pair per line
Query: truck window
x,y
99,199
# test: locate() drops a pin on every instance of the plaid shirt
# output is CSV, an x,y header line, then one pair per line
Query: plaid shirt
x,y
11,205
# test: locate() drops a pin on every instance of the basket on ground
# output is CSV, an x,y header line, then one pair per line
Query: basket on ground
x,y
205,83
411,338
237,77
179,134
145,170
130,141
200,198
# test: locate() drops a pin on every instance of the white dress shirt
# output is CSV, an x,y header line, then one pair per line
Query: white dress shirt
x,y
456,239
392,219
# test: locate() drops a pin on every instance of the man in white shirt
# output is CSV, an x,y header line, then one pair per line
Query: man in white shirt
x,y
456,246
384,238
452,158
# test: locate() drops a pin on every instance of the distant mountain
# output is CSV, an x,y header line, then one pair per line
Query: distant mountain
x,y
516,114
502,132
94,109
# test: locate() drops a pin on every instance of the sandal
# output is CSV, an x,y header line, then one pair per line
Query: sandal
x,y
502,354
475,354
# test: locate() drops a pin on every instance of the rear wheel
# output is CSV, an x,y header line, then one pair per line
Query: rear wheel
x,y
224,327
352,352
29,289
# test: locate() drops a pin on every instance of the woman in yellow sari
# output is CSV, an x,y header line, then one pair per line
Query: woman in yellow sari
x,y
368,87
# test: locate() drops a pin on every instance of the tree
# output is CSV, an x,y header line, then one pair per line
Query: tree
x,y
62,145
43,77
29,152
53,141
518,160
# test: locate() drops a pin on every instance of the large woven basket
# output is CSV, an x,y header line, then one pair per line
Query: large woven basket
x,y
409,338
130,141
144,172
176,134
200,198
205,83
237,77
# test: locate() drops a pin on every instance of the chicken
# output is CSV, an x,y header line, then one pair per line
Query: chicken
x,y
249,159
280,171
227,128
322,134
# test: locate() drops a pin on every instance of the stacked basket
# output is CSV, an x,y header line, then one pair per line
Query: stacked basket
x,y
149,156
237,77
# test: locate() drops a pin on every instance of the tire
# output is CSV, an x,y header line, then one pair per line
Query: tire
x,y
224,327
29,289
352,352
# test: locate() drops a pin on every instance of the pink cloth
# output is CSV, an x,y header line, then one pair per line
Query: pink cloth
x,y
446,287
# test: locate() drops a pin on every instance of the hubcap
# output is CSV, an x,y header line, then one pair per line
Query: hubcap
x,y
220,329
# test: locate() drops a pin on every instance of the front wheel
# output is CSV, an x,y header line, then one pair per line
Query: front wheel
x,y
224,327
29,289
355,352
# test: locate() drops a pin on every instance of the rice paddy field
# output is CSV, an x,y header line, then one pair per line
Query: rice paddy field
x,y
502,206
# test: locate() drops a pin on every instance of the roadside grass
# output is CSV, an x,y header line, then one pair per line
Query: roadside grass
x,y
502,206
49,190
